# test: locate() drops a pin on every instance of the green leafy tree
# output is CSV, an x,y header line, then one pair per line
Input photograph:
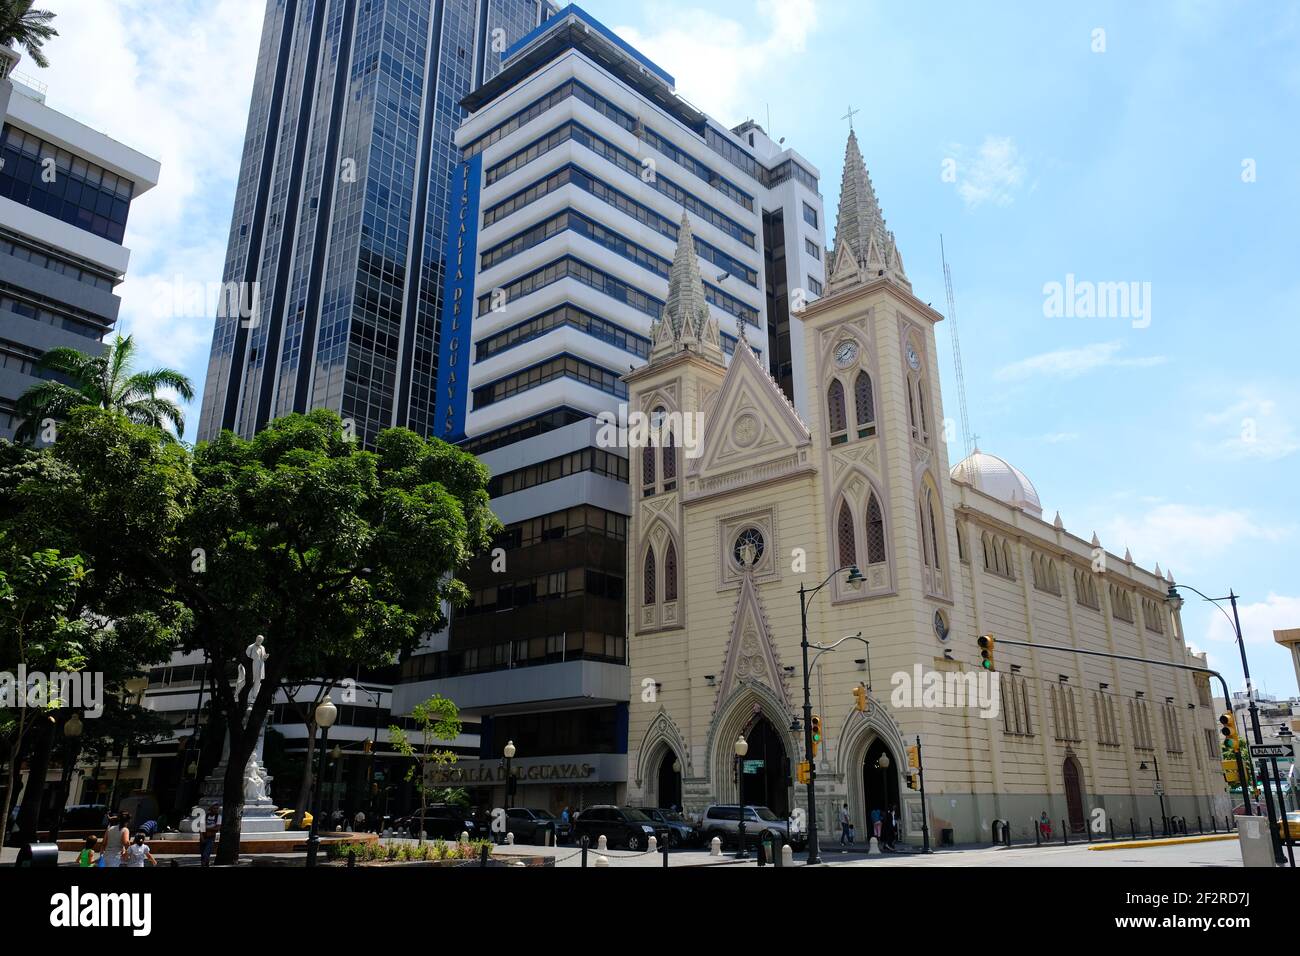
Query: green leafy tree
x,y
106,381
107,496
336,554
438,721
21,26
37,592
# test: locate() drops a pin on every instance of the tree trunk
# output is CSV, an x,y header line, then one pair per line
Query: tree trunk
x,y
38,764
232,798
304,790
11,784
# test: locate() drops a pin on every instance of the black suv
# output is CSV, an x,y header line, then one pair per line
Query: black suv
x,y
532,826
681,832
441,822
621,826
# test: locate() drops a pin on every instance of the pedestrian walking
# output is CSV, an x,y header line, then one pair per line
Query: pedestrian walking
x,y
887,831
876,818
116,838
138,852
846,826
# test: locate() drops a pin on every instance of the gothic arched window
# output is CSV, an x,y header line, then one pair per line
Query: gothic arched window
x,y
864,405
670,462
934,530
670,573
648,580
837,413
875,531
848,546
648,469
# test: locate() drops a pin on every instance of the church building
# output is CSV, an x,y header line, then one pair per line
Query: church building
x,y
724,532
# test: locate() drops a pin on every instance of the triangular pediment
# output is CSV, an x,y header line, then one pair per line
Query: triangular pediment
x,y
751,655
751,422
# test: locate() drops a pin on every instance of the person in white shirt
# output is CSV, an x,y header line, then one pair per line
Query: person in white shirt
x,y
138,852
116,839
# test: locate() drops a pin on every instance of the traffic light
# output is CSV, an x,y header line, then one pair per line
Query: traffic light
x,y
913,781
1228,727
987,643
914,757
816,733
1230,775
860,696
802,772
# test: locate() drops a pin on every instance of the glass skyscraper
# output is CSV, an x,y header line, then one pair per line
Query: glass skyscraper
x,y
339,228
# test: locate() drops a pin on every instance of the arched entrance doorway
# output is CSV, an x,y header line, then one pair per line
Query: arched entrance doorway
x,y
879,781
669,790
765,780
1074,793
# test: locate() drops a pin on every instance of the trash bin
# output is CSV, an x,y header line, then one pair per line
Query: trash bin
x,y
38,854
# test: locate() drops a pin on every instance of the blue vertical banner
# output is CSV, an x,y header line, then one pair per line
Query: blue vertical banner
x,y
458,302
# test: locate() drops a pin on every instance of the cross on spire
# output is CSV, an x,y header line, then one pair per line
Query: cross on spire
x,y
849,116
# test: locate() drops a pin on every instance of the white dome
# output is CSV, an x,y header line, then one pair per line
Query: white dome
x,y
999,479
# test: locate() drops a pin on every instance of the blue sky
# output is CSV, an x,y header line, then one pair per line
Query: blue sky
x,y
1163,150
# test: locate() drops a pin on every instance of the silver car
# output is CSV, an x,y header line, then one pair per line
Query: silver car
x,y
723,821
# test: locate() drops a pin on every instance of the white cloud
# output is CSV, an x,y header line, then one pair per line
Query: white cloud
x,y
718,60
1186,536
1259,620
992,174
172,81
1071,363
1259,427
1057,438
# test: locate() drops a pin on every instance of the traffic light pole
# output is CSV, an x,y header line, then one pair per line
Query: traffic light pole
x,y
1227,697
814,850
925,813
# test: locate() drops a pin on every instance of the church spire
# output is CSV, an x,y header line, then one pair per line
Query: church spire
x,y
686,324
864,248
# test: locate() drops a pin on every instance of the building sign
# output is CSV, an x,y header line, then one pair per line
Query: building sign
x,y
458,302
470,773
753,766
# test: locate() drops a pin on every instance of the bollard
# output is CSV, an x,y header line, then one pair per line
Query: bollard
x,y
1132,830
1151,828
1065,833
585,842
352,858
778,851
1214,823
601,843
787,855
464,836
1038,834
483,856
664,851
602,860
1087,832
652,845
1112,831
510,839
715,847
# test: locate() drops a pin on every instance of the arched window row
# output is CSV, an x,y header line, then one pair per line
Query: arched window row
x,y
659,458
1044,572
1153,615
1121,604
997,555
871,533
1085,589
864,409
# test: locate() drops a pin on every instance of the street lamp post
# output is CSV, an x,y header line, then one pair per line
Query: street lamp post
x,y
72,729
1235,620
326,714
509,753
805,595
882,764
741,748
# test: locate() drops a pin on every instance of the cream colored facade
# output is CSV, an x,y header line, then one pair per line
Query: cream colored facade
x,y
714,625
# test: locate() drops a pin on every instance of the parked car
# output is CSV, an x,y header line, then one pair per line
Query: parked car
x,y
286,814
681,832
440,822
533,826
723,821
621,826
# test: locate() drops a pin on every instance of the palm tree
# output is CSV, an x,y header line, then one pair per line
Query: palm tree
x,y
22,26
105,381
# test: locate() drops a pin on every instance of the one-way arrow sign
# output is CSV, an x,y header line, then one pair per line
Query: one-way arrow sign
x,y
1272,750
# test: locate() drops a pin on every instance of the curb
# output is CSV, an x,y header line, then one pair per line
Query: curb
x,y
1171,841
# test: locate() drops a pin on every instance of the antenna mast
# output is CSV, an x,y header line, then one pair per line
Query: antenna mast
x,y
956,353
